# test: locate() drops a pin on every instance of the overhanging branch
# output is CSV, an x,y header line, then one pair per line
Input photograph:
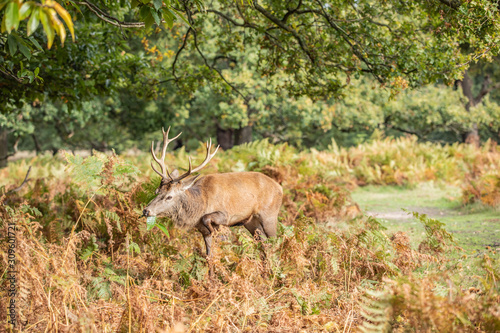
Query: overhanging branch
x,y
285,27
195,36
108,18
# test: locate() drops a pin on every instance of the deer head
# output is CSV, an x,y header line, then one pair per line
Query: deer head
x,y
173,190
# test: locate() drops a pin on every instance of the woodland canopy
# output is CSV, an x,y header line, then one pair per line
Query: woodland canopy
x,y
107,74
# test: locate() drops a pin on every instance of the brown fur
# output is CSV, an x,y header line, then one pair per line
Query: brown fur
x,y
250,199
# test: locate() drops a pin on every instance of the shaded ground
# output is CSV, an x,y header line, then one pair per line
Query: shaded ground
x,y
474,227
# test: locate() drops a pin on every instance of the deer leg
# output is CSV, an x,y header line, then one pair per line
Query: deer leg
x,y
207,237
254,226
216,218
269,223
207,222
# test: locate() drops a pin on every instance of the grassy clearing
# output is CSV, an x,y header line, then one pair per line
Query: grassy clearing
x,y
474,227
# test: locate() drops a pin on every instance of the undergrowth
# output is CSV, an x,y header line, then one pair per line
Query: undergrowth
x,y
86,261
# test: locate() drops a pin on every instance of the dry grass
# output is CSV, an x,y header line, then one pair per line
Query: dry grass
x,y
86,262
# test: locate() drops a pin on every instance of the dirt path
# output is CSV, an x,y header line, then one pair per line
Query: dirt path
x,y
404,216
473,227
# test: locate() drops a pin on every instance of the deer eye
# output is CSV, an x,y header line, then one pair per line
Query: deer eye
x,y
168,198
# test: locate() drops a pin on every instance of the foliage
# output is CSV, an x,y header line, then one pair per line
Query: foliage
x,y
383,40
49,13
57,91
318,47
410,303
201,78
437,238
482,183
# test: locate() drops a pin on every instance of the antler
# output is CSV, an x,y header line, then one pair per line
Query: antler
x,y
164,170
202,165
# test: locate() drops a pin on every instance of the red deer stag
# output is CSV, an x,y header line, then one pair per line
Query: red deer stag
x,y
250,199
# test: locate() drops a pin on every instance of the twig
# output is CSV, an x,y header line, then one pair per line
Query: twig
x,y
179,51
108,18
127,285
8,74
79,217
17,189
38,322
208,307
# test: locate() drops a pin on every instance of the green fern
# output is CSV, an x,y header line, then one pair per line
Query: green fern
x,y
100,289
437,238
376,312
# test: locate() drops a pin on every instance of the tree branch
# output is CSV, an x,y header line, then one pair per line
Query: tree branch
x,y
108,18
17,189
485,89
285,27
405,131
451,3
290,12
346,37
245,23
195,35
10,75
180,50
226,17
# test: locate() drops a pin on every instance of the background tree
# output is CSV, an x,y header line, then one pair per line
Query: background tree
x,y
247,68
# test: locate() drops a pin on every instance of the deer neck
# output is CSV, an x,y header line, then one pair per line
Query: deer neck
x,y
188,212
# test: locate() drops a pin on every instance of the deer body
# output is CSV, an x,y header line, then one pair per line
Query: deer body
x,y
250,199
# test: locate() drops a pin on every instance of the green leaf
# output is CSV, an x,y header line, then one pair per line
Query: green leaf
x,y
157,4
35,42
75,5
25,50
11,16
162,227
150,222
154,14
145,14
149,21
37,70
33,22
3,3
134,3
134,247
25,10
168,17
172,10
11,40
47,27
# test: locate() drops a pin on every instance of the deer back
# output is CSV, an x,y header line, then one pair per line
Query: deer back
x,y
240,194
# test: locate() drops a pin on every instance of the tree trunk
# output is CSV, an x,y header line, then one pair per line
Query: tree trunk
x,y
243,135
225,138
38,149
472,136
4,147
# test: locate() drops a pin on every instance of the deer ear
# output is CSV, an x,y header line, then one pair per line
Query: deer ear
x,y
174,173
186,184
